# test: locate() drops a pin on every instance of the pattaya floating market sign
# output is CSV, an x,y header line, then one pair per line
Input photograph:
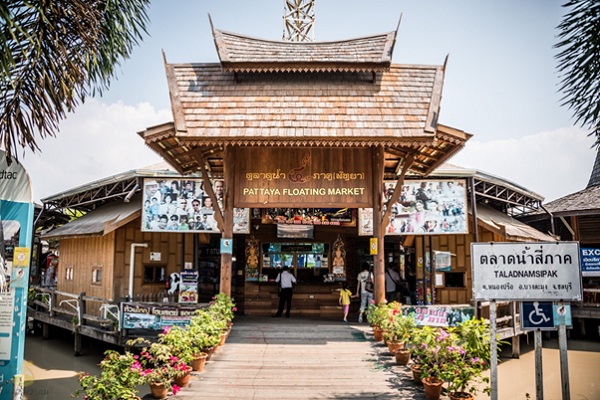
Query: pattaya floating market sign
x,y
526,271
303,177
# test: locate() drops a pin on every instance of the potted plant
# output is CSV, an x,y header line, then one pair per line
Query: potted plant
x,y
435,360
470,357
223,306
118,379
158,367
397,329
378,316
179,341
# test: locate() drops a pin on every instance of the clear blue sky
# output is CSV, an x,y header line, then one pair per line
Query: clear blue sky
x,y
501,84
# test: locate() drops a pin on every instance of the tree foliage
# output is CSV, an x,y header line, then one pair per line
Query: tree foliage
x,y
55,53
579,62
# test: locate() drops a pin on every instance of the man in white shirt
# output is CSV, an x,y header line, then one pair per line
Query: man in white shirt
x,y
366,296
286,281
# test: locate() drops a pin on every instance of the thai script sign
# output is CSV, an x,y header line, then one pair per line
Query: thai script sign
x,y
153,316
439,315
526,271
302,177
590,262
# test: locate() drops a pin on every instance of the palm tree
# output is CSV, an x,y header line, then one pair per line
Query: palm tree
x,y
579,62
55,53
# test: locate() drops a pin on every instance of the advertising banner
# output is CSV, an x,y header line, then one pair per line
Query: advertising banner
x,y
154,316
526,271
425,207
16,230
310,216
188,287
182,205
590,262
439,315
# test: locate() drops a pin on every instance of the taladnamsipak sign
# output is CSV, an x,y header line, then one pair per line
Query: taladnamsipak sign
x,y
544,271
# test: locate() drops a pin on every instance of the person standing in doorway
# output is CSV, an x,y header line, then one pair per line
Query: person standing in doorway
x,y
392,284
365,288
286,281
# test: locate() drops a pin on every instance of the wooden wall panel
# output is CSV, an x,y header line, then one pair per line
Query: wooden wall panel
x,y
167,244
84,254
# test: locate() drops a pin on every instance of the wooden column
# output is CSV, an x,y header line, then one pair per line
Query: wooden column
x,y
378,226
227,230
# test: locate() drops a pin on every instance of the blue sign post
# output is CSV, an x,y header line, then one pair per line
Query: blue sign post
x,y
16,220
537,315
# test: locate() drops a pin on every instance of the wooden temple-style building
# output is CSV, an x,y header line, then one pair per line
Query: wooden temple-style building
x,y
329,146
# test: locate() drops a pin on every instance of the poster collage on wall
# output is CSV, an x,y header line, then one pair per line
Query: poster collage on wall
x,y
425,207
183,205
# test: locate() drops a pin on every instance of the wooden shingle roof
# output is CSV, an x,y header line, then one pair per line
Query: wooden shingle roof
x,y
335,94
243,53
212,108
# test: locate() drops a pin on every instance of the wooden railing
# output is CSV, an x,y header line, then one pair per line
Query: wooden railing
x,y
75,306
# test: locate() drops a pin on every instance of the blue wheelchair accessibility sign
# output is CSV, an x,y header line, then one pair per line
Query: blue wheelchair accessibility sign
x,y
537,315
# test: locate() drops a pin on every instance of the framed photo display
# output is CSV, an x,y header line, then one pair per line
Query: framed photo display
x,y
182,205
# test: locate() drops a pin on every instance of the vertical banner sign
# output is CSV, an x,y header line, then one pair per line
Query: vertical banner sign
x,y
16,229
373,246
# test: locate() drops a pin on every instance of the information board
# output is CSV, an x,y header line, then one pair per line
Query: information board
x,y
545,271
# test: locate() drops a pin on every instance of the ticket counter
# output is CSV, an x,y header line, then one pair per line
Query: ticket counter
x,y
316,292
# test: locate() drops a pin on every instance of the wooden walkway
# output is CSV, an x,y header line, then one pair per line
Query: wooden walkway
x,y
280,358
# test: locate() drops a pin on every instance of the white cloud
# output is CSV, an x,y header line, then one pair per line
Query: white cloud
x,y
97,141
553,164
101,140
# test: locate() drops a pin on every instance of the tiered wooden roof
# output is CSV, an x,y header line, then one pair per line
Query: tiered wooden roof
x,y
330,94
244,54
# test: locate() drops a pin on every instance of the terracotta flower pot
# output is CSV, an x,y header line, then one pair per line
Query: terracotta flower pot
x,y
416,371
209,351
183,380
402,356
432,388
393,346
198,362
223,338
378,334
158,390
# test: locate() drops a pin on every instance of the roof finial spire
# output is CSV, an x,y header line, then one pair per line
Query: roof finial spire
x,y
299,21
595,176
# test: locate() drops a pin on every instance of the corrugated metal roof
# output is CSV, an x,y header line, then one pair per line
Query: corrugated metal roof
x,y
508,227
101,221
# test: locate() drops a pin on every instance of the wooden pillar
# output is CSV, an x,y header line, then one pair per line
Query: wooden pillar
x,y
227,231
378,225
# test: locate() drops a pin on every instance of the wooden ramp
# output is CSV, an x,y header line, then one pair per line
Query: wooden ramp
x,y
280,358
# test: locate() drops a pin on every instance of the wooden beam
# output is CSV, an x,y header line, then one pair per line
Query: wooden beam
x,y
397,190
227,230
378,155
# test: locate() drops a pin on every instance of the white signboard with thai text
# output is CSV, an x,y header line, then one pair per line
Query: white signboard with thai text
x,y
545,271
